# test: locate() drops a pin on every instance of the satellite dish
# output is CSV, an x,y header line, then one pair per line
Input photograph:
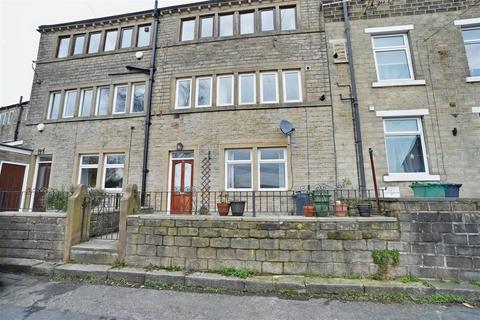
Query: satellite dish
x,y
286,127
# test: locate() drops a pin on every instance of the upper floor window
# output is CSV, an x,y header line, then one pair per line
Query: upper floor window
x,y
292,89
471,37
392,57
78,44
204,92
206,27
86,99
226,25
54,105
110,40
247,22
269,87
63,47
138,98
288,19
247,88
188,30
103,100
94,42
70,103
183,94
120,99
143,36
267,20
126,38
225,90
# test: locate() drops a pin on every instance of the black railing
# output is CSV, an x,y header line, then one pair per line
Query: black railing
x,y
40,200
104,214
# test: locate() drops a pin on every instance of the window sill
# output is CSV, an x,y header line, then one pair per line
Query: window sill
x,y
398,83
403,177
473,79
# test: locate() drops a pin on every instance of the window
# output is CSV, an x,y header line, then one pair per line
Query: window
x,y
138,97
471,37
267,20
70,103
188,30
238,169
126,38
247,89
86,99
143,38
226,25
54,106
247,22
269,87
204,92
120,99
103,99
288,20
79,43
225,90
272,168
392,57
113,171
63,46
206,27
292,89
88,170
94,42
183,93
405,145
110,40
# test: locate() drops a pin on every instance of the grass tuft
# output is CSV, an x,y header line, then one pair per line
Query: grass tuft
x,y
234,272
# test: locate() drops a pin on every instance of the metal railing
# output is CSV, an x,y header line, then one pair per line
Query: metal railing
x,y
104,214
39,200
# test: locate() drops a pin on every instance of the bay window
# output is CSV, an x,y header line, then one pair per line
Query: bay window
x,y
183,93
88,170
204,92
113,172
238,169
225,90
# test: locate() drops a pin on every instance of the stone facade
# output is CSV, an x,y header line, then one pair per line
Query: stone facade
x,y
7,128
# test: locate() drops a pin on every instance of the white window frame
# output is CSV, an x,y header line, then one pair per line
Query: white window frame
x,y
232,88
182,29
97,103
190,94
149,41
294,17
112,166
115,91
240,24
240,76
87,166
64,115
132,96
82,97
69,40
75,39
262,101
197,81
202,18
273,10
283,161
220,23
2,118
122,31
471,78
227,162
299,83
97,49
50,105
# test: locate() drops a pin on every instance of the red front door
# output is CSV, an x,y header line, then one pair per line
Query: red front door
x,y
43,178
182,180
11,184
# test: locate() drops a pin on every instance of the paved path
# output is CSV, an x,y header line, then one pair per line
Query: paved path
x,y
25,297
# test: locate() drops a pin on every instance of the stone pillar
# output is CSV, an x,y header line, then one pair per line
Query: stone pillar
x,y
130,205
78,216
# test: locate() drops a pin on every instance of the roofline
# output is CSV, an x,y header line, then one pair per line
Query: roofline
x,y
14,105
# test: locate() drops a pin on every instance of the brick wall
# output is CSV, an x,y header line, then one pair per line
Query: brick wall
x,y
32,235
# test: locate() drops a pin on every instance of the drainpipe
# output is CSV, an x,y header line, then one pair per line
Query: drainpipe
x,y
354,101
148,116
19,119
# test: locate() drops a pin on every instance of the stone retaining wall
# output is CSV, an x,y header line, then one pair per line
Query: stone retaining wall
x,y
321,246
32,235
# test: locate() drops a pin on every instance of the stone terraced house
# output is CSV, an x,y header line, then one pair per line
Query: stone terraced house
x,y
227,73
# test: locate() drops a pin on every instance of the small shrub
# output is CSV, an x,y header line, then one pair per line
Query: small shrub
x,y
57,200
385,258
408,278
238,273
118,264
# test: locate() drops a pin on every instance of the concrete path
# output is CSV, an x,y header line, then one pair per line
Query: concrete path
x,y
25,297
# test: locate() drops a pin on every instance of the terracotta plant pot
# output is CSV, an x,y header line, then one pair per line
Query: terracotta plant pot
x,y
223,208
309,211
341,210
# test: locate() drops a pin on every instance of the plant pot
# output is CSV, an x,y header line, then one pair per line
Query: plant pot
x,y
364,210
352,211
341,210
223,208
238,208
309,211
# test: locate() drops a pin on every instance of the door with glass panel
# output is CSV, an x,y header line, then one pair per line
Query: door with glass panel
x,y
181,186
41,185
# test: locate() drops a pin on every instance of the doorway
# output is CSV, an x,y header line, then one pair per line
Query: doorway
x,y
181,166
44,168
12,182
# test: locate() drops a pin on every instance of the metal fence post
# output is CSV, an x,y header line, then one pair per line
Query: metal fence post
x,y
254,204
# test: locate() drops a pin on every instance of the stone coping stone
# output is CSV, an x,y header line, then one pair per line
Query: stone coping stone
x,y
416,288
212,280
319,285
464,290
93,270
18,264
262,283
132,275
48,214
289,283
166,277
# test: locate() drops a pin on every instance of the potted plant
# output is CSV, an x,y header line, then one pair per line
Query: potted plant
x,y
341,209
223,206
353,207
238,208
364,208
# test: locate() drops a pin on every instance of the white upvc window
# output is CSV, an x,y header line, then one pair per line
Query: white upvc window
x,y
267,19
288,19
3,118
110,40
238,169
78,44
206,27
203,92
247,88
143,35
188,30
272,169
269,87
113,172
103,101
392,57
70,103
94,42
471,38
120,99
86,99
54,105
126,37
88,170
292,87
63,47
137,103
183,94
225,25
247,22
225,90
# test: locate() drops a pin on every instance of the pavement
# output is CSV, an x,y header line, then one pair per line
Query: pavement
x,y
36,298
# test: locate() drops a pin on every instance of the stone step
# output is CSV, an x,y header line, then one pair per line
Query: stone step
x,y
93,257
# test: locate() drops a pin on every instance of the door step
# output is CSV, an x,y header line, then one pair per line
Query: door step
x,y
95,251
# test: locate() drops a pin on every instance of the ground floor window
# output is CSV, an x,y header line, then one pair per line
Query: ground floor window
x,y
113,171
239,169
88,170
109,167
272,168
